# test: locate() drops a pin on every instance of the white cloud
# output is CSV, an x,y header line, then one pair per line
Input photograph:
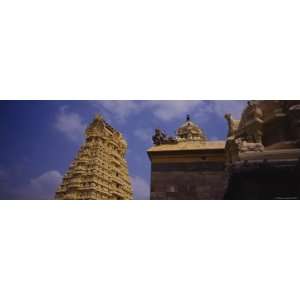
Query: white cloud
x,y
141,188
144,134
169,110
201,110
121,110
41,187
163,110
70,124
233,107
207,112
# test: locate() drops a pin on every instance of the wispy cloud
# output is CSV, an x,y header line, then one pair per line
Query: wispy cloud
x,y
162,110
222,107
144,134
170,110
121,110
70,124
141,188
41,187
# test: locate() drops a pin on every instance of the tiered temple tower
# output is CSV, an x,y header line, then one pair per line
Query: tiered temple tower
x,y
100,170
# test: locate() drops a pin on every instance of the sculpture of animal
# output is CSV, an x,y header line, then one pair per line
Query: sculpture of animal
x,y
232,125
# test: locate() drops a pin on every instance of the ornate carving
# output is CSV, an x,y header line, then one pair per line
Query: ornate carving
x,y
246,135
100,170
161,138
187,132
232,124
251,114
190,131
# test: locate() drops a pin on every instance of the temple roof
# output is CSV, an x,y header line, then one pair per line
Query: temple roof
x,y
189,145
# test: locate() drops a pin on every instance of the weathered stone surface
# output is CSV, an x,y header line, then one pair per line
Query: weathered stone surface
x,y
262,156
260,160
187,183
99,170
264,180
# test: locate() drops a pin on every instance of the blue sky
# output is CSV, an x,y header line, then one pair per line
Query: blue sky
x,y
39,139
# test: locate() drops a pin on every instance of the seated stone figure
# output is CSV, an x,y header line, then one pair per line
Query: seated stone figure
x,y
161,138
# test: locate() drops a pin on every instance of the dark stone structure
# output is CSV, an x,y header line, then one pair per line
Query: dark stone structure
x,y
189,168
260,158
200,180
264,180
263,154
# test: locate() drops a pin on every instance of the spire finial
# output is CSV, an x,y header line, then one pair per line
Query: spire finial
x,y
188,118
98,116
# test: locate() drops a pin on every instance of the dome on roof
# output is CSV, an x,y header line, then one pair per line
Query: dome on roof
x,y
190,131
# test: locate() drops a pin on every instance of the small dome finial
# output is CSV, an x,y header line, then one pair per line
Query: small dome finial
x,y
188,118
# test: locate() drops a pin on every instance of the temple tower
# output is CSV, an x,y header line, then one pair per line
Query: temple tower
x,y
99,170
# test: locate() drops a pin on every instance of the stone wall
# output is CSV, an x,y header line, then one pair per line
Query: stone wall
x,y
202,180
265,180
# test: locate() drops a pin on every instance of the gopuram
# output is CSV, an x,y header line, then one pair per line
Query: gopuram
x,y
99,170
260,158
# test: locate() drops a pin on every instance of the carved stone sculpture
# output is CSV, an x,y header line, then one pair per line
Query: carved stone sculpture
x,y
232,124
189,131
159,137
245,135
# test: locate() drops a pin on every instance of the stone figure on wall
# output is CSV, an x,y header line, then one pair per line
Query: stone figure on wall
x,y
161,138
232,125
